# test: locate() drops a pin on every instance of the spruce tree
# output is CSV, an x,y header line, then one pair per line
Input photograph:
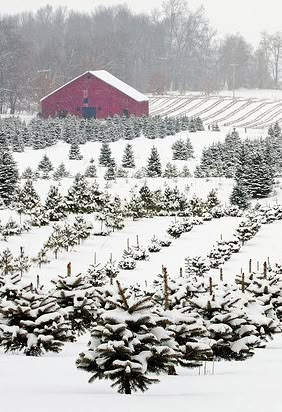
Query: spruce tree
x,y
34,324
74,153
128,157
91,170
8,175
240,196
45,167
105,158
78,198
55,204
179,150
154,167
60,172
125,352
27,198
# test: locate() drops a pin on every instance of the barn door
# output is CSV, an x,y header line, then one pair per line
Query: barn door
x,y
88,112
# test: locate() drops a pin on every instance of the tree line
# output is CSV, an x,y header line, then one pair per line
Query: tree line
x,y
173,48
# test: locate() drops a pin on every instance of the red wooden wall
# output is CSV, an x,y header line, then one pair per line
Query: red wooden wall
x,y
107,100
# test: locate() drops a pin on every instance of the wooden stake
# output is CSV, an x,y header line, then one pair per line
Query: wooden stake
x,y
210,287
268,261
250,266
95,259
166,300
37,281
69,269
180,272
264,269
243,282
128,243
137,241
258,266
221,274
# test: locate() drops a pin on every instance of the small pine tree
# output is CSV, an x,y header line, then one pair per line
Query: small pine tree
x,y
91,170
55,205
60,172
117,348
154,167
240,196
128,157
105,158
74,153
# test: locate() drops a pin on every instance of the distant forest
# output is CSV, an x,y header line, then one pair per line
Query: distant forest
x,y
173,48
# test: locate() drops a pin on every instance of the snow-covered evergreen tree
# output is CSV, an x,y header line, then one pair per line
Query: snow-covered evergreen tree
x,y
126,351
60,172
128,157
74,153
105,158
45,167
91,170
34,324
55,204
154,167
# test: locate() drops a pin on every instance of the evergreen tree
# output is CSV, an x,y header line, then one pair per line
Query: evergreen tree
x,y
240,196
45,167
128,157
125,352
105,158
170,171
45,164
91,170
78,198
8,175
179,150
27,199
28,174
55,204
60,172
110,173
76,297
154,167
33,323
74,153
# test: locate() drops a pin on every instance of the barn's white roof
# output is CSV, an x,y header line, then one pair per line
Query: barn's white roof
x,y
112,81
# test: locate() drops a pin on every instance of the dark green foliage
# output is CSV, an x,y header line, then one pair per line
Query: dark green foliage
x,y
154,167
8,175
128,157
118,345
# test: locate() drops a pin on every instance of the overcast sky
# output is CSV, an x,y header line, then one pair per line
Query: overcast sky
x,y
248,17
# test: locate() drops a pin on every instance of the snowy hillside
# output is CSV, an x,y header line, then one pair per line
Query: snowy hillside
x,y
243,111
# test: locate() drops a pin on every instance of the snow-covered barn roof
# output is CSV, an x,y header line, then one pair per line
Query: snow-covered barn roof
x,y
112,81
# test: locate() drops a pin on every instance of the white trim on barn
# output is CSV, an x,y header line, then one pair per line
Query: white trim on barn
x,y
112,81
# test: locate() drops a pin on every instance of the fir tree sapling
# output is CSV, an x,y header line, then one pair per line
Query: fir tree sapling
x,y
74,153
154,168
127,344
128,157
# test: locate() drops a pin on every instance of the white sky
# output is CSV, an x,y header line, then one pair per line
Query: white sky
x,y
248,17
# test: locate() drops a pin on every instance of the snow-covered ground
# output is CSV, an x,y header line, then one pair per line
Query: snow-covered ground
x,y
255,109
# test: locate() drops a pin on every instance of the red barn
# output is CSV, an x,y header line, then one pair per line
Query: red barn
x,y
96,94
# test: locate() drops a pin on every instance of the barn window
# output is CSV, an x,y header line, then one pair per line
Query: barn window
x,y
89,76
78,109
85,100
125,112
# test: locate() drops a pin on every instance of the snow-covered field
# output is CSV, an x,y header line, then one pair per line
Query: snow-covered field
x,y
250,109
53,384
